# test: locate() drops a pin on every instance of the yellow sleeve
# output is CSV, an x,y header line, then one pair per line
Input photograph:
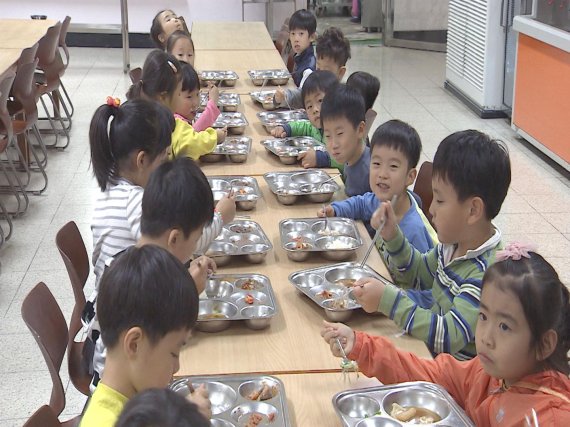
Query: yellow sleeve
x,y
104,407
187,142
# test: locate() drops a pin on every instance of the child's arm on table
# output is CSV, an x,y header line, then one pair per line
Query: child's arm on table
x,y
356,207
226,210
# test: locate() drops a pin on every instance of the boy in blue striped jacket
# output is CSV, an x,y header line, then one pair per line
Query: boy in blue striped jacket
x,y
440,305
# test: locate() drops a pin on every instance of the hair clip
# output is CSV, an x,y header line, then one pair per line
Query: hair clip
x,y
113,102
172,66
515,251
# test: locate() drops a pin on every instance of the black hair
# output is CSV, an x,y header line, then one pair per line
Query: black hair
x,y
544,299
160,408
156,29
318,81
177,196
400,136
343,101
367,84
303,19
146,287
333,44
189,76
475,165
160,75
137,125
175,36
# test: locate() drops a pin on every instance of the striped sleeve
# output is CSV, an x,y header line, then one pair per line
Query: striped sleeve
x,y
209,234
134,211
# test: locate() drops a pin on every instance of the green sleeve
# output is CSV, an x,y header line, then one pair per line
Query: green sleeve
x,y
305,128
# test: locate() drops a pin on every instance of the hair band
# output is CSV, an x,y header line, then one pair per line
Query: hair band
x,y
113,102
515,251
172,66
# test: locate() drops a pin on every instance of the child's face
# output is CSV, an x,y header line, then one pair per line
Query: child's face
x,y
300,39
169,23
503,336
324,63
389,173
344,141
186,103
183,50
181,247
313,102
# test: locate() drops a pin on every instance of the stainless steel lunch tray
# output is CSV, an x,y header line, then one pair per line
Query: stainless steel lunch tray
x,y
274,77
240,239
287,149
245,189
302,236
225,77
235,122
229,295
371,407
265,98
226,102
271,119
234,147
334,279
289,186
231,406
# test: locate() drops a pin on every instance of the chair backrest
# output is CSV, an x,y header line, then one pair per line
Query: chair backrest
x,y
5,86
28,55
422,187
369,120
290,62
48,46
24,91
63,36
281,42
135,74
45,321
43,417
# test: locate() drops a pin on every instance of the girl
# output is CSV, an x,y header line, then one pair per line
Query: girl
x,y
161,82
181,46
163,25
522,338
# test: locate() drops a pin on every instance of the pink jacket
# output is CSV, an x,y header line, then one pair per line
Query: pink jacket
x,y
484,399
207,118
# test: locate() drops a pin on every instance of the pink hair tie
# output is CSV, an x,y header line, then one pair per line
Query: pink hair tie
x,y
515,251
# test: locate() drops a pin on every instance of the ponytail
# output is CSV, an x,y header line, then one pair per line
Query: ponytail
x,y
160,75
102,159
135,91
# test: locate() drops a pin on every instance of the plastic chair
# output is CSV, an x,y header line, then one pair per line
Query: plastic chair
x,y
281,42
72,250
43,417
63,46
135,74
422,187
28,55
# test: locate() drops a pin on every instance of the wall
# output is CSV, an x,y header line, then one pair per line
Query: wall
x,y
420,15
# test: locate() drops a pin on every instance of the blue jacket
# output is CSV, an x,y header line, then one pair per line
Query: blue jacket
x,y
304,60
357,176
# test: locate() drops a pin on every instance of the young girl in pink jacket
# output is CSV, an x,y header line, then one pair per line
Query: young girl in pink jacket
x,y
522,338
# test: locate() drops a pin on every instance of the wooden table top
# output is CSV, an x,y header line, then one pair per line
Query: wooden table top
x,y
23,33
282,347
8,59
231,35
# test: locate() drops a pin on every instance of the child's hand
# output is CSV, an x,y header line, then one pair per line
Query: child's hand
x,y
328,211
279,132
368,292
279,96
199,269
345,335
221,134
213,93
391,226
227,208
201,398
308,159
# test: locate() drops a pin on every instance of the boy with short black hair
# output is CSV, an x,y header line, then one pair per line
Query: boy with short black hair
x,y
147,306
471,177
302,31
369,86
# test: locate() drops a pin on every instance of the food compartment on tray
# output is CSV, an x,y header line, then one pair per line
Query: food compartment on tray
x,y
235,122
240,239
245,189
235,148
226,102
224,77
287,149
330,287
289,186
274,77
265,98
400,405
271,119
231,297
241,399
335,238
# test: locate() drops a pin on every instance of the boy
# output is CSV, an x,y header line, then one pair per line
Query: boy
x,y
395,152
333,52
369,86
147,306
302,30
471,177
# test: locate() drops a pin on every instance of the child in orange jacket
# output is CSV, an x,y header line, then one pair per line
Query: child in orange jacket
x,y
522,338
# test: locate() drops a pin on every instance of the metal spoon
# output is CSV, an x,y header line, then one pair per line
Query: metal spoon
x,y
377,234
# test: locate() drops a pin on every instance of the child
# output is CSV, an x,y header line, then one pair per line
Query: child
x,y
176,206
160,81
160,408
302,30
333,52
522,337
147,306
471,177
180,45
188,101
369,86
163,25
395,153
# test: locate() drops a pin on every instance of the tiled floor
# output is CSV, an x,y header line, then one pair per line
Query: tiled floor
x,y
537,206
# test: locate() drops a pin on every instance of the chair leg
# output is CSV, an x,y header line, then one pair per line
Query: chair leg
x,y
6,217
11,188
58,118
68,98
41,145
39,167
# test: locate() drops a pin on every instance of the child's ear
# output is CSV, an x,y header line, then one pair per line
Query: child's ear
x,y
132,341
173,237
412,173
476,210
141,159
360,130
547,345
341,72
313,37
162,37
